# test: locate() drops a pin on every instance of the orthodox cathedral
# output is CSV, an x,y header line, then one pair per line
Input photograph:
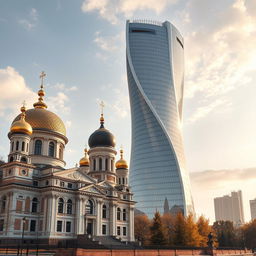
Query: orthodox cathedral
x,y
40,198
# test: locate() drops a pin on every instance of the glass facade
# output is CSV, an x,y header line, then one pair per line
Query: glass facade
x,y
155,71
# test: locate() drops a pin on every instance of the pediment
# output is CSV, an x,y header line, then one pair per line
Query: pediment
x,y
75,174
92,189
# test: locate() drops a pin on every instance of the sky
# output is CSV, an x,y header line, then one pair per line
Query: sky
x,y
81,47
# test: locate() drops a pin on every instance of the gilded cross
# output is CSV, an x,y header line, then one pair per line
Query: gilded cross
x,y
42,75
24,103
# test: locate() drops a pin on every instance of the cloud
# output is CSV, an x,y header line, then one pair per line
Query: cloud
x,y
113,10
109,43
203,111
31,22
58,103
220,48
13,92
63,87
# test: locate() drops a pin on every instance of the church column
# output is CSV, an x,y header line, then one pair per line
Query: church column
x,y
9,209
54,214
131,223
79,216
112,219
99,217
48,214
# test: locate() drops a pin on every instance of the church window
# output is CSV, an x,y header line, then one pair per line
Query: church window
x,y
38,147
59,226
123,180
68,226
119,180
3,204
69,206
35,183
106,164
89,207
104,229
104,211
100,164
124,231
51,149
94,164
124,214
34,205
60,205
11,159
12,146
10,172
23,159
47,182
17,145
70,185
62,184
118,231
118,213
33,225
2,225
23,146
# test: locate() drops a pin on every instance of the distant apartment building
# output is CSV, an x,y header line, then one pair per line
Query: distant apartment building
x,y
230,207
253,208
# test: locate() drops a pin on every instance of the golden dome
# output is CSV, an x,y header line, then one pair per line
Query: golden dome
x,y
85,160
20,125
42,119
121,164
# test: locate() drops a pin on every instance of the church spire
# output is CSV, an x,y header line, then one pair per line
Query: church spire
x,y
41,93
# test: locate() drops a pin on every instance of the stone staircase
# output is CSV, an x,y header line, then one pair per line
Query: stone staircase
x,y
111,242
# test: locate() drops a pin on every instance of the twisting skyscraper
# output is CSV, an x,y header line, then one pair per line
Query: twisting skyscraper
x,y
155,71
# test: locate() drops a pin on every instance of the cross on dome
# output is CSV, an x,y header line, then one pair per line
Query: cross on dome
x,y
42,76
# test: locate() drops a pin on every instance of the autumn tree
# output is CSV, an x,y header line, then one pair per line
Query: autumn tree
x,y
203,229
249,234
192,236
226,233
157,232
142,228
179,230
168,221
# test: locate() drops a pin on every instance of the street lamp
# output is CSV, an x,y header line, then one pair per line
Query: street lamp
x,y
22,236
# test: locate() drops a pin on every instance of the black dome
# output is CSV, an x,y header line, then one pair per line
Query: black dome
x,y
102,138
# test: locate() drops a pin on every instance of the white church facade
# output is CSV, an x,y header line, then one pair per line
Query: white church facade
x,y
41,199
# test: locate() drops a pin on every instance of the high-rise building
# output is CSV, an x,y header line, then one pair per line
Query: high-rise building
x,y
230,208
253,208
155,71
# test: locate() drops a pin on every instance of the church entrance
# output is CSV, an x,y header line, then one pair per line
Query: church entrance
x,y
89,229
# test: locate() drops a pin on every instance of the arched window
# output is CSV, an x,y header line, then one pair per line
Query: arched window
x,y
69,206
34,204
23,146
89,207
100,164
3,204
17,145
60,205
38,147
11,159
23,159
124,214
51,149
104,211
61,152
118,214
12,146
94,164
106,164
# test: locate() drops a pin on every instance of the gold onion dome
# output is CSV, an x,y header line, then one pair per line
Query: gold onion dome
x,y
84,161
42,119
20,125
121,164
